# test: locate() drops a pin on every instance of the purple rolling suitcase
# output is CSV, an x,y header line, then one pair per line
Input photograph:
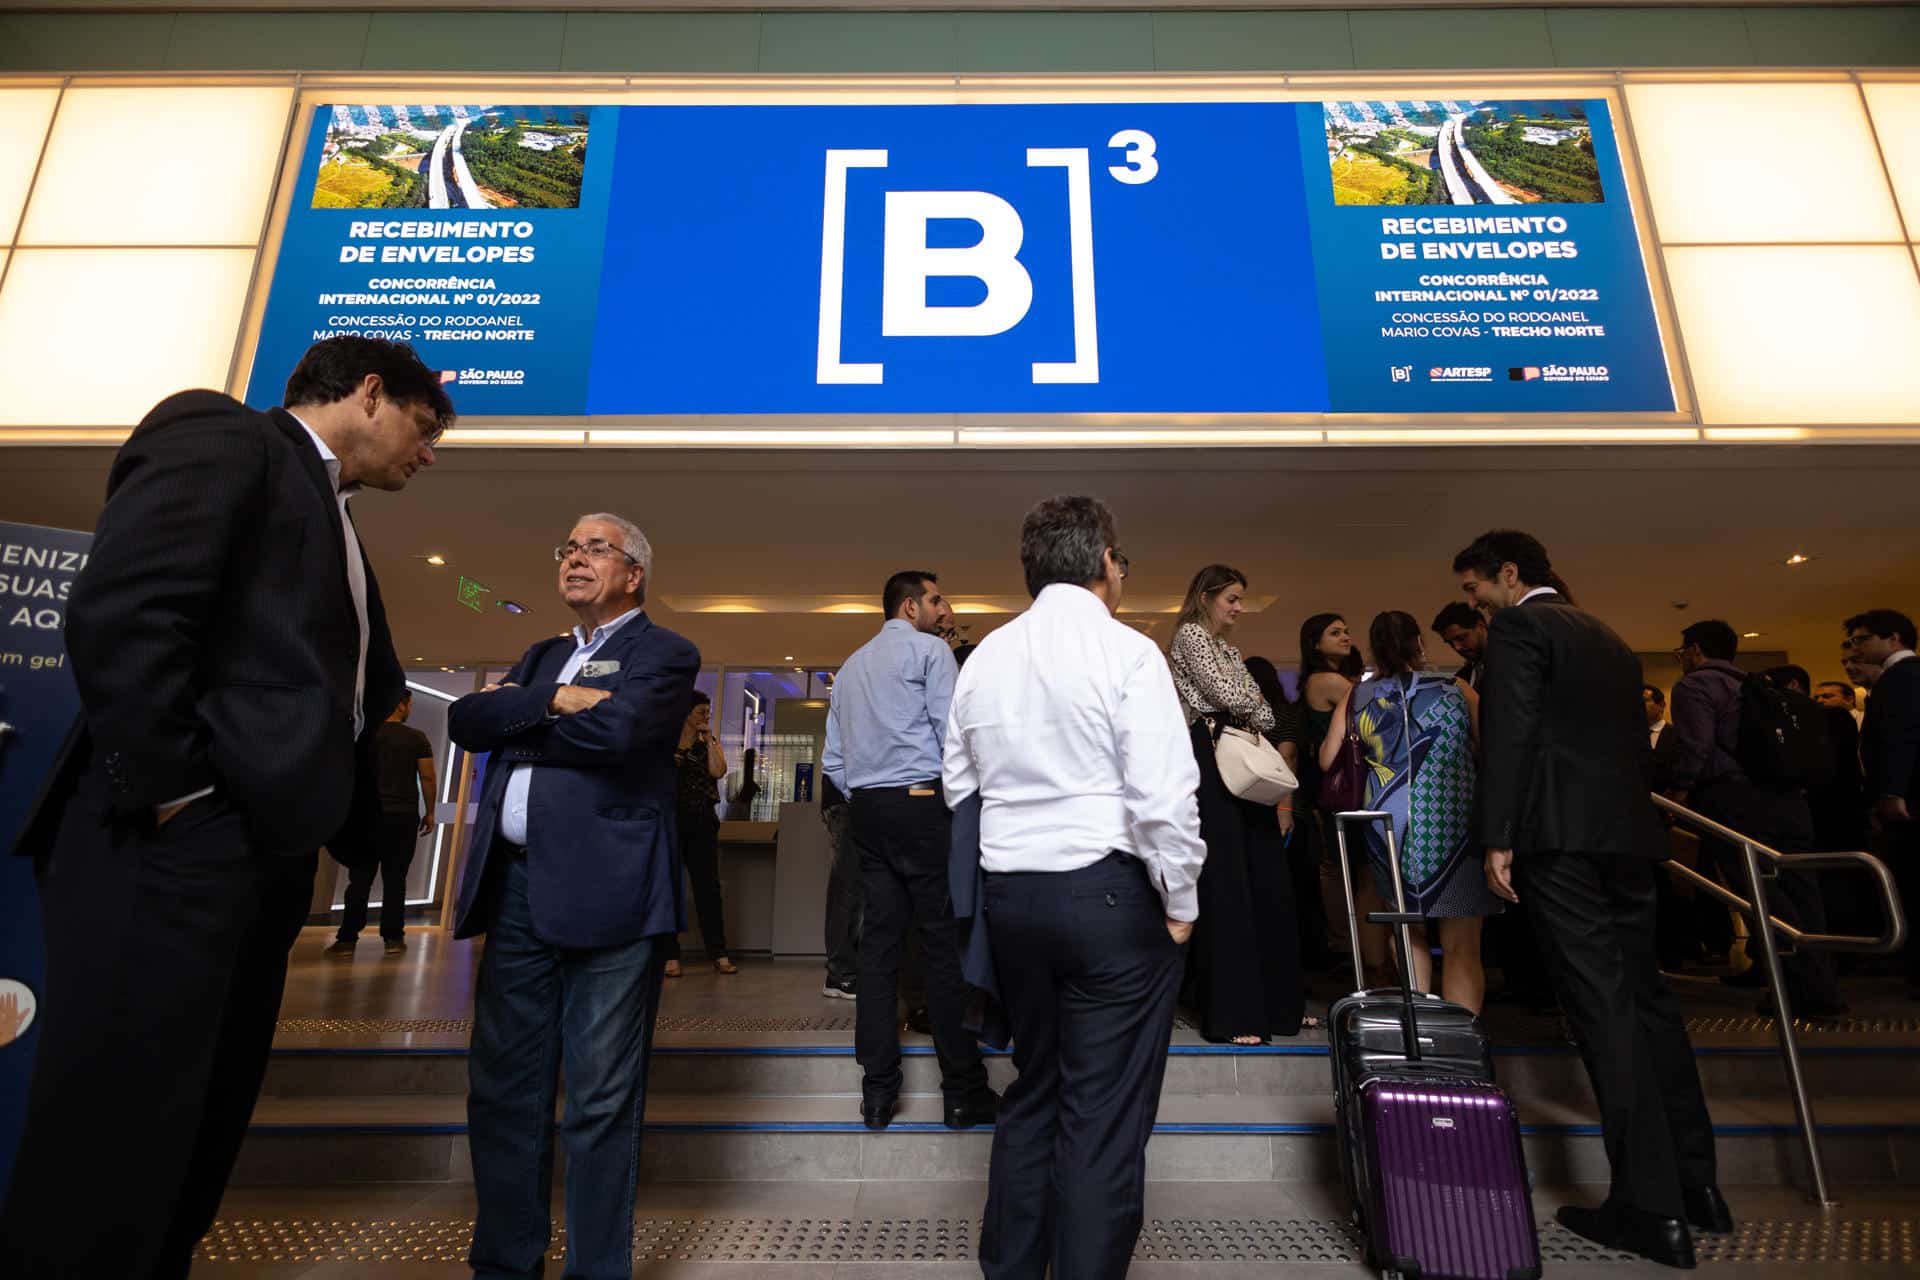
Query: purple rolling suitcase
x,y
1429,1144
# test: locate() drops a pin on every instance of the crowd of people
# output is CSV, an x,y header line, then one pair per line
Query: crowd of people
x,y
1049,824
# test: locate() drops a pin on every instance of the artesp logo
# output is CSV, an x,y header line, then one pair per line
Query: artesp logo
x,y
908,261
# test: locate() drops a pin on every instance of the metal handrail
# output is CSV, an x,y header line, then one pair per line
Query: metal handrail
x,y
1770,929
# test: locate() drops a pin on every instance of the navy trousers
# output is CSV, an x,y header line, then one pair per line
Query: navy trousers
x,y
539,1008
1088,974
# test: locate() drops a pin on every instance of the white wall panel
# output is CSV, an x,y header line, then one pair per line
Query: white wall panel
x,y
159,166
24,116
1896,119
96,337
1800,335
1760,163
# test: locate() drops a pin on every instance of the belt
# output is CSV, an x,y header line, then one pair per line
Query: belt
x,y
508,849
930,787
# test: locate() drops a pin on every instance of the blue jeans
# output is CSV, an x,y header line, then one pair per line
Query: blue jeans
x,y
536,1008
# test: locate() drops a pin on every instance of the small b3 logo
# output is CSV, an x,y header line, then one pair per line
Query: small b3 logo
x,y
1402,372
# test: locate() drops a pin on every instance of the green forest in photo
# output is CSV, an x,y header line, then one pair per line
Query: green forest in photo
x,y
369,178
1562,174
529,179
1377,172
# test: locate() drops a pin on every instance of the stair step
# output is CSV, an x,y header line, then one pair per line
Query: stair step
x,y
1289,1070
1228,1138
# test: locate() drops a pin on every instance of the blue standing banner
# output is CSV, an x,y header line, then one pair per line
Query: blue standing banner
x,y
1393,256
38,706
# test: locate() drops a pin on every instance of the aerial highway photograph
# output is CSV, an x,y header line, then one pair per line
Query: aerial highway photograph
x,y
1461,152
452,157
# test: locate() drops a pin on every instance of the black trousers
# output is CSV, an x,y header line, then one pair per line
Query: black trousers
x,y
1779,819
901,835
1246,944
394,838
700,850
1899,848
1594,917
1088,976
843,899
166,958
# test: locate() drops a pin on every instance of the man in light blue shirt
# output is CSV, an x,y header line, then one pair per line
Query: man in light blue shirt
x,y
884,732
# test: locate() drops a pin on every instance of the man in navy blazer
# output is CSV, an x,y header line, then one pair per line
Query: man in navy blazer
x,y
574,875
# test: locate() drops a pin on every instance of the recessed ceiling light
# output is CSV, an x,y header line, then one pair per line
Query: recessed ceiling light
x,y
788,658
436,560
1797,558
1749,635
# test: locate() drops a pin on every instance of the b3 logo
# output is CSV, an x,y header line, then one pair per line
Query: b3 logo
x,y
908,261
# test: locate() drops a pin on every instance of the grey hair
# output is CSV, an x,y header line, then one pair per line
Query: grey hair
x,y
633,542
1065,539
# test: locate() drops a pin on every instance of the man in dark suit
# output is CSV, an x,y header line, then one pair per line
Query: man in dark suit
x,y
1890,752
1464,628
575,880
232,657
1570,829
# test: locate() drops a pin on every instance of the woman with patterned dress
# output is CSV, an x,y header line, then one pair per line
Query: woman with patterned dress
x,y
1244,961
1419,732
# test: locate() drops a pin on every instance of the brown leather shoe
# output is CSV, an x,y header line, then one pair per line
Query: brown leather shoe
x,y
724,965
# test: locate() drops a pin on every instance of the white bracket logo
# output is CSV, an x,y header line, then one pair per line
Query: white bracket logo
x,y
908,262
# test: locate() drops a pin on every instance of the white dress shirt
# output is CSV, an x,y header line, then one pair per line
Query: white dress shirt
x,y
1894,659
1537,591
1067,724
356,572
513,807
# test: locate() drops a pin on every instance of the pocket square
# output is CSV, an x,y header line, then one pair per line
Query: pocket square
x,y
593,670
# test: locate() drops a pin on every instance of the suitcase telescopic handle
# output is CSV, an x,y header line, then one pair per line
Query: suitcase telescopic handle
x,y
1400,919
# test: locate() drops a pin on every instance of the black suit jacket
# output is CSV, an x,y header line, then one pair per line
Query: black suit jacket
x,y
213,636
1890,734
1563,736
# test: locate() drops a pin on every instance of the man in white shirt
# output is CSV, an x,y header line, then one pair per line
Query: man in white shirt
x,y
1066,724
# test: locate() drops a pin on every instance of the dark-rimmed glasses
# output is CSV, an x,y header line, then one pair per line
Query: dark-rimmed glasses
x,y
592,548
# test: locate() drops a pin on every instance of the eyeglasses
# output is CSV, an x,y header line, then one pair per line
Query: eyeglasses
x,y
593,548
1119,562
1854,642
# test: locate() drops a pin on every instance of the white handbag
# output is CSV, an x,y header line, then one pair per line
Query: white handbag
x,y
1252,767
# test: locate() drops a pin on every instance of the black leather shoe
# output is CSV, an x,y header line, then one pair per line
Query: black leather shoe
x,y
983,1109
1707,1210
878,1113
1657,1239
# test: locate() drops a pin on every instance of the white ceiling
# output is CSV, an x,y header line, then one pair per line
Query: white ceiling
x,y
1350,530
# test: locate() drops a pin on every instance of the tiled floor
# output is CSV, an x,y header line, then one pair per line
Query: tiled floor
x,y
378,1000
828,1228
682,1230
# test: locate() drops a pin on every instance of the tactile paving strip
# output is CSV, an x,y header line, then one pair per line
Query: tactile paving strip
x,y
1838,1026
363,1026
1292,1240
665,1026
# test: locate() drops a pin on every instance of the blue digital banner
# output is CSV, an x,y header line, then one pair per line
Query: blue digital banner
x,y
38,707
1394,256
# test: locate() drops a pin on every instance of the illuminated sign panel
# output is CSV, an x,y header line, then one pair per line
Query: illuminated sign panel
x,y
1371,257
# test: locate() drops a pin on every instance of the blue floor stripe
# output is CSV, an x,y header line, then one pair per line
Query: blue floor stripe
x,y
1177,1050
931,1126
